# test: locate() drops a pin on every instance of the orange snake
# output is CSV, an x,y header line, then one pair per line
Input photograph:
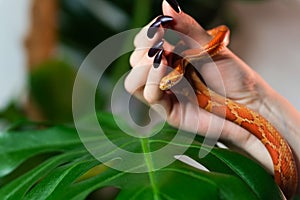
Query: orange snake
x,y
285,171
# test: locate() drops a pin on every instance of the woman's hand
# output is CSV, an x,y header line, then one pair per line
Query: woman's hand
x,y
233,79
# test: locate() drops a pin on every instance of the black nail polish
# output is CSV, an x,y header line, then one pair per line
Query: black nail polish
x,y
153,28
161,20
157,59
165,19
152,51
174,4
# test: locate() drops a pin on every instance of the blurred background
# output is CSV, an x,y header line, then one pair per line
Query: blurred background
x,y
43,43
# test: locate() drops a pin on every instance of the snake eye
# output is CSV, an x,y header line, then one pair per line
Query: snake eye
x,y
169,82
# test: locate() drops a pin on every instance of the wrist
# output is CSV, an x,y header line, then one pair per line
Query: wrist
x,y
284,117
281,114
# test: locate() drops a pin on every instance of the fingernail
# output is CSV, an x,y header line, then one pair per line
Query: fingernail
x,y
154,27
165,19
157,59
174,4
153,50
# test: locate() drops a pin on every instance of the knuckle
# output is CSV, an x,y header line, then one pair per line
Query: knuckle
x,y
133,59
129,87
149,97
136,41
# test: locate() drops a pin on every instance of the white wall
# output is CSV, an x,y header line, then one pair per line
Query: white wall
x,y
267,37
13,23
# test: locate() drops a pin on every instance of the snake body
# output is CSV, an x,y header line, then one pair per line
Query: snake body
x,y
285,171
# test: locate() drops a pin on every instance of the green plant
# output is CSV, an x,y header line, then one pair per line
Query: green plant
x,y
52,163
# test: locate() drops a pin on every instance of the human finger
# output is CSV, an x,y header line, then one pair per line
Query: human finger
x,y
152,92
186,25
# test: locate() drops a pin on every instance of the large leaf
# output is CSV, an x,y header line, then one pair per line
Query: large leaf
x,y
68,171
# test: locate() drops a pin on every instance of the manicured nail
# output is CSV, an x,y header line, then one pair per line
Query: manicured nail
x,y
174,4
153,50
154,27
165,19
157,59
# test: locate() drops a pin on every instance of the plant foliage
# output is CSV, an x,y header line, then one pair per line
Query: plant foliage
x,y
52,163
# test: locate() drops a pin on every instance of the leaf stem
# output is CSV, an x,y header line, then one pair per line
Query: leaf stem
x,y
149,164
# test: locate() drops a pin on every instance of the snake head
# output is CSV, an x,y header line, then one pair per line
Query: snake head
x,y
170,80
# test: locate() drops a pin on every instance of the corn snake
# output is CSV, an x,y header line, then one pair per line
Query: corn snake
x,y
285,170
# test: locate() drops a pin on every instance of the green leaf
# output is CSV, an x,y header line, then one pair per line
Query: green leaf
x,y
72,173
16,147
17,188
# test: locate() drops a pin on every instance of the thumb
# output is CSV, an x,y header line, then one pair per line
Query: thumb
x,y
186,25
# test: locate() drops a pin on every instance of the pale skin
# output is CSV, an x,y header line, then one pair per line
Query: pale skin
x,y
241,84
